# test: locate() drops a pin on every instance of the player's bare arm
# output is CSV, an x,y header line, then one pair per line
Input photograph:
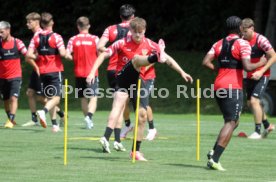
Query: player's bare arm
x,y
91,77
208,62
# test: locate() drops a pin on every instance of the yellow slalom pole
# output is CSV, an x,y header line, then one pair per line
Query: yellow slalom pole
x,y
136,121
198,120
65,121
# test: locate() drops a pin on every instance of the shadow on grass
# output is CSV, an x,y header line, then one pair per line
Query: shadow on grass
x,y
36,130
188,166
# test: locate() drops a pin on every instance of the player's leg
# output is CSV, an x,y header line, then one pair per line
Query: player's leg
x,y
118,105
231,108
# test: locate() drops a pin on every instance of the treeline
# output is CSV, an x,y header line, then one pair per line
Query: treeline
x,y
184,24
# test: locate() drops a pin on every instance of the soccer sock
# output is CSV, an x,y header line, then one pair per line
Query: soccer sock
x,y
218,151
153,58
258,128
60,113
151,125
107,133
54,122
216,144
89,114
117,132
127,122
265,123
11,117
138,144
34,117
45,110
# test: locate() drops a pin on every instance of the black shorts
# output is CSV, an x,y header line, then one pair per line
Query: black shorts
x,y
35,83
230,104
127,80
146,88
111,78
86,90
256,88
51,84
10,87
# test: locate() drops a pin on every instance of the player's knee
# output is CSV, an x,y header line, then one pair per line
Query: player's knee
x,y
142,115
254,101
30,93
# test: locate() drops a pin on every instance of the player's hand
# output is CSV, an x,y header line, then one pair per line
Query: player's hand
x,y
257,75
90,79
187,77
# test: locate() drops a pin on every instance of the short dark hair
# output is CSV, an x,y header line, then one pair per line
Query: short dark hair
x,y
126,11
83,22
233,24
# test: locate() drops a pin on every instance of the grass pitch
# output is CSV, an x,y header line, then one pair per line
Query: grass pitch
x,y
34,154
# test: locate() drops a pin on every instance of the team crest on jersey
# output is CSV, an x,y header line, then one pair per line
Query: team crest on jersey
x,y
145,52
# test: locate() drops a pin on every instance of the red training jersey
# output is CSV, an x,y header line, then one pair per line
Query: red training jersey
x,y
126,48
84,49
260,45
48,63
10,65
111,34
231,78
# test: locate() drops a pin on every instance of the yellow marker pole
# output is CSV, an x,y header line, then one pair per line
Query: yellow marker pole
x,y
65,121
136,121
198,120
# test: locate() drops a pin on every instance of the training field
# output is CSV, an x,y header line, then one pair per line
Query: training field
x,y
35,154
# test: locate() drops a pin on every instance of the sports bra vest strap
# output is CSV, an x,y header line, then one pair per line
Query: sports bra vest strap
x,y
226,59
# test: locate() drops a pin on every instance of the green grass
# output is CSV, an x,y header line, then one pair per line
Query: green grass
x,y
35,154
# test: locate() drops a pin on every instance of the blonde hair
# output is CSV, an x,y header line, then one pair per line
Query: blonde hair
x,y
138,24
247,23
33,16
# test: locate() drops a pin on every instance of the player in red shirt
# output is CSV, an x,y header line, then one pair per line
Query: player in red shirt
x,y
50,48
82,49
233,54
127,72
34,88
10,70
255,88
111,34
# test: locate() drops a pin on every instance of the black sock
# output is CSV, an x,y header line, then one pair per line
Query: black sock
x,y
45,110
107,133
117,132
265,123
11,117
60,113
214,148
218,151
54,122
151,125
258,128
89,114
127,122
34,117
153,58
138,144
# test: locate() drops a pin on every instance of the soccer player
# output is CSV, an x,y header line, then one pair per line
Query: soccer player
x,y
34,88
127,72
111,34
82,49
50,47
10,71
255,88
232,54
